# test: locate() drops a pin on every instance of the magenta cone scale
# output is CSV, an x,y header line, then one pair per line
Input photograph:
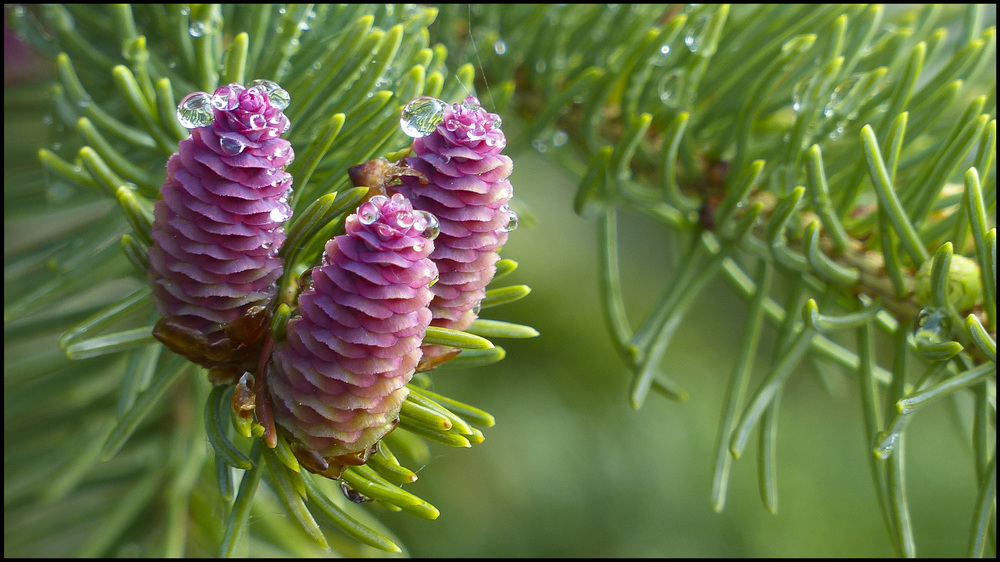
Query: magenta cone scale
x,y
468,191
339,377
218,226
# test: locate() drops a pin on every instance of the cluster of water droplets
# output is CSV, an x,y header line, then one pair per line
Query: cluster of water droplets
x,y
843,104
281,152
385,80
512,220
422,116
846,101
398,215
199,28
198,109
282,211
277,95
555,139
464,116
694,37
307,22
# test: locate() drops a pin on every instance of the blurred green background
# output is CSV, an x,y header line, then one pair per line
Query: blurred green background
x,y
570,470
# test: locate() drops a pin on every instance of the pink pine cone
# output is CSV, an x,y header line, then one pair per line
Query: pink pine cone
x,y
468,191
218,226
339,378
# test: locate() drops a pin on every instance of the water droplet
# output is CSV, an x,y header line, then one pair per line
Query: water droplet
x,y
84,101
798,94
197,28
511,219
258,122
280,213
277,95
47,120
368,212
661,57
317,65
231,146
471,104
540,145
540,66
932,325
227,98
195,110
559,138
404,219
839,96
693,37
281,11
421,116
837,132
56,146
428,223
885,443
669,88
499,47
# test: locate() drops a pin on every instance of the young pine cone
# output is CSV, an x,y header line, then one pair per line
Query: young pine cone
x,y
466,188
339,378
214,262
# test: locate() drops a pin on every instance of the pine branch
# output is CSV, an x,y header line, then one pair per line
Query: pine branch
x,y
865,185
